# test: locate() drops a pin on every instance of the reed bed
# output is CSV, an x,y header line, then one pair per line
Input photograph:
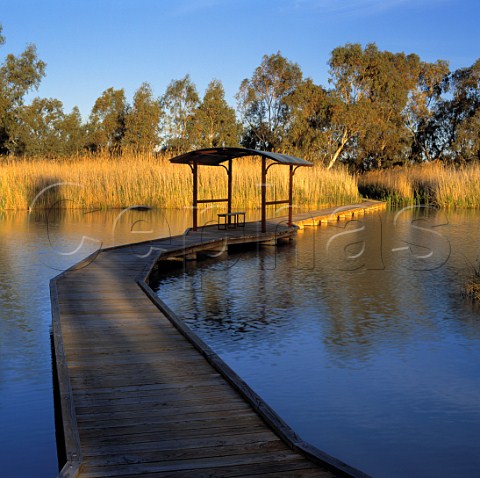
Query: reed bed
x,y
437,184
103,182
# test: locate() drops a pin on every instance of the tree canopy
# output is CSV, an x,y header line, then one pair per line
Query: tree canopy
x,y
142,121
263,102
215,123
379,109
18,76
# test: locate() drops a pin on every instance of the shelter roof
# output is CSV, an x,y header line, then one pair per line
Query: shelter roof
x,y
216,156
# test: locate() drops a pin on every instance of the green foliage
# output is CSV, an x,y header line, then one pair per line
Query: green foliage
x,y
142,121
18,76
39,128
379,110
179,104
106,127
214,120
373,88
422,101
263,102
454,130
74,134
309,133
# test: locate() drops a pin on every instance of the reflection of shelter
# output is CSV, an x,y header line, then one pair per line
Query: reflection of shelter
x,y
218,156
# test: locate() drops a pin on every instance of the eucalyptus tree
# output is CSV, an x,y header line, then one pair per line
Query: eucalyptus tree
x,y
263,102
309,134
39,128
18,76
454,130
106,126
391,78
142,121
385,99
423,101
43,129
466,145
215,123
179,104
351,107
73,131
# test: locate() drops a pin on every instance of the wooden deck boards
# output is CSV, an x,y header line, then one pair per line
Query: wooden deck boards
x,y
138,399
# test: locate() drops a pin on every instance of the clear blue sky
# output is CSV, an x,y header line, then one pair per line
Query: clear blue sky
x,y
91,45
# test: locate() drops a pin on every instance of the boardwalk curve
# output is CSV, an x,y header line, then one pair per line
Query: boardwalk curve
x,y
141,395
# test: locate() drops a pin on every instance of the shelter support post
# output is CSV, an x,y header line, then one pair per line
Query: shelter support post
x,y
264,194
229,196
290,195
195,195
218,156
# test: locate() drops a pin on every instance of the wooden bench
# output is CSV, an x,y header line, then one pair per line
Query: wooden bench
x,y
231,220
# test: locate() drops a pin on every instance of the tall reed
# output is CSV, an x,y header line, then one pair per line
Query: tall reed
x,y
103,182
433,183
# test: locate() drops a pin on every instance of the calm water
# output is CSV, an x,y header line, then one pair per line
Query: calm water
x,y
375,347
357,336
33,249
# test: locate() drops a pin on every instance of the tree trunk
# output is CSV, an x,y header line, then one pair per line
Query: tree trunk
x,y
335,156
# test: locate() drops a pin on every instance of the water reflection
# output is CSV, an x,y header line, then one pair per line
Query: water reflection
x,y
33,249
357,335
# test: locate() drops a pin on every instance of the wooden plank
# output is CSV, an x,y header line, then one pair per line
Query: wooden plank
x,y
94,382
106,296
209,381
142,399
294,470
156,436
150,345
157,407
227,437
165,421
167,399
69,421
185,425
240,447
78,337
271,458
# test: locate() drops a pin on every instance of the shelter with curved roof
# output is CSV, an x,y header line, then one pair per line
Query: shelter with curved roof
x,y
223,157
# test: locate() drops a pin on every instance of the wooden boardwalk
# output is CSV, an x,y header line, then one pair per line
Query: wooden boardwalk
x,y
141,395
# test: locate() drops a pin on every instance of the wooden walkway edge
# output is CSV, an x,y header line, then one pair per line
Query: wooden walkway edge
x,y
138,398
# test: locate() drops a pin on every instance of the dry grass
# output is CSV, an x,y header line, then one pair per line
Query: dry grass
x,y
432,183
103,182
393,186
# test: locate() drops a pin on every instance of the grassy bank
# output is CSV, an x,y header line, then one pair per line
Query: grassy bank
x,y
102,182
434,183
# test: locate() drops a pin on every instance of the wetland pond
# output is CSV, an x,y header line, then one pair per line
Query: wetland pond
x,y
33,249
357,336
356,333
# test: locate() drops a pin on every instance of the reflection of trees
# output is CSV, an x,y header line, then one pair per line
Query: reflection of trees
x,y
370,307
269,295
386,308
237,296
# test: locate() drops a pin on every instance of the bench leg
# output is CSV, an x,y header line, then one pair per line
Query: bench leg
x,y
241,223
222,225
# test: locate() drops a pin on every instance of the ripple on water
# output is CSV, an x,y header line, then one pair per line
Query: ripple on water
x,y
377,365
